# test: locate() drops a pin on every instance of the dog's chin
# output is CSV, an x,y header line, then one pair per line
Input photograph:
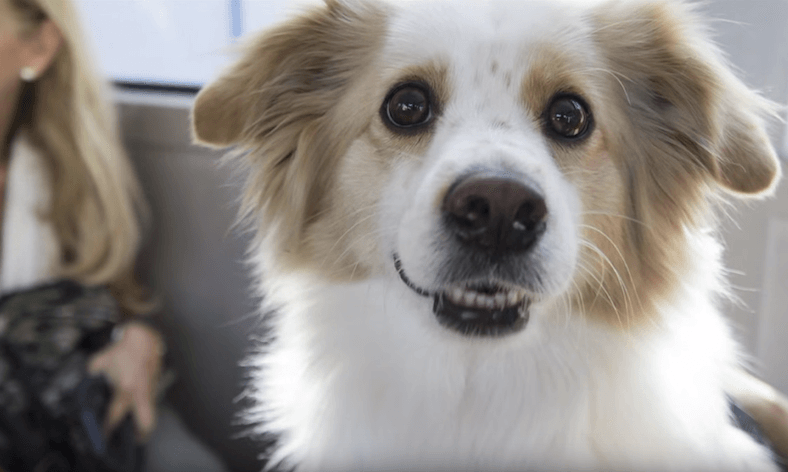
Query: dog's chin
x,y
476,309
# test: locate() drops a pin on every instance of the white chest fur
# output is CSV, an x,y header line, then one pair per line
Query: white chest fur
x,y
351,383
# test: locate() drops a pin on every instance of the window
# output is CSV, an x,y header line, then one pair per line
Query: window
x,y
171,42
185,43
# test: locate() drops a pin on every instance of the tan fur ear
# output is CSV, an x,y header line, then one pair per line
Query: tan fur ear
x,y
747,161
283,106
220,113
313,53
681,94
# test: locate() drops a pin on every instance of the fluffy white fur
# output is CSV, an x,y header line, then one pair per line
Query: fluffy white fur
x,y
359,378
358,374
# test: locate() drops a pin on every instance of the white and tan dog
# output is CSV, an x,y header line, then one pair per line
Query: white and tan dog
x,y
486,234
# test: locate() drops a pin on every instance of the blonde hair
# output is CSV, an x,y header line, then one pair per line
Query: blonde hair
x,y
97,203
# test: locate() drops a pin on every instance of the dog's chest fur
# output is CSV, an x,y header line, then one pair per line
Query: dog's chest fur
x,y
353,385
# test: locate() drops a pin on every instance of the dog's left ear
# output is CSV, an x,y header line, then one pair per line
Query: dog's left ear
x,y
679,87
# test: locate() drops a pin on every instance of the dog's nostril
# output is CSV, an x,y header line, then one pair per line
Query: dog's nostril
x,y
493,213
475,213
530,214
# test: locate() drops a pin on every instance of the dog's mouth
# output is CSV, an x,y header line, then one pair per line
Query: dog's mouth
x,y
476,309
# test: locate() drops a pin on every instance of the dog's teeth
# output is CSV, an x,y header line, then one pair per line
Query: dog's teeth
x,y
478,301
473,299
481,301
469,298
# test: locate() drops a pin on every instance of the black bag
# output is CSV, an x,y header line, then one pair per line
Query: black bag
x,y
51,410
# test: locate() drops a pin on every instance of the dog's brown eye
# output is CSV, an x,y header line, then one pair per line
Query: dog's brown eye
x,y
568,117
407,106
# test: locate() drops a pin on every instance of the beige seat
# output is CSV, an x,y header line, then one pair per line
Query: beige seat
x,y
194,261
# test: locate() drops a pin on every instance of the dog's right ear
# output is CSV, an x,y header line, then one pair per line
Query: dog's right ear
x,y
283,107
296,59
219,113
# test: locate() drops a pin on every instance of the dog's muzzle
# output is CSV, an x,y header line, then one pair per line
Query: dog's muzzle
x,y
476,309
493,219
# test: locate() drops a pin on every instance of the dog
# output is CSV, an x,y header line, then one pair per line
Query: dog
x,y
486,234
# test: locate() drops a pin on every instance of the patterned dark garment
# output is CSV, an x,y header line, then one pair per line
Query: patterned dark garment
x,y
51,410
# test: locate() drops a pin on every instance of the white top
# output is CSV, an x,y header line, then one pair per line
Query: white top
x,y
29,251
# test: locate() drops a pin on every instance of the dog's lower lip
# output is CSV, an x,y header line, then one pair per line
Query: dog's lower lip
x,y
476,310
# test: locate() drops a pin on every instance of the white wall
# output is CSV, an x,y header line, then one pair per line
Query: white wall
x,y
755,35
174,42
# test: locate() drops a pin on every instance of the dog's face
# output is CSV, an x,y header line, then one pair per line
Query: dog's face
x,y
498,159
486,129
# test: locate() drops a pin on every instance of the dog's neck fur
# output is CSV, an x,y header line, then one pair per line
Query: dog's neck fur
x,y
348,384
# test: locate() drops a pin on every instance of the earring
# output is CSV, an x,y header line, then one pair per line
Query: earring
x,y
28,74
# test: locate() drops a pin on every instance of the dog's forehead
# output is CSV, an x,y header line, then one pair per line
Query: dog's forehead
x,y
472,30
485,49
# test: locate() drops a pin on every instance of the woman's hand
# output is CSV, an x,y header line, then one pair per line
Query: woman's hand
x,y
132,365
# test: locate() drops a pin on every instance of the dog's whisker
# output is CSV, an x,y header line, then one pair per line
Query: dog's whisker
x,y
358,222
623,261
615,215
583,319
615,76
587,270
359,239
567,303
601,290
627,309
579,293
325,211
618,24
600,279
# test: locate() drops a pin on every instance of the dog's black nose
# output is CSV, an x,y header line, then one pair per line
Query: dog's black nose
x,y
495,214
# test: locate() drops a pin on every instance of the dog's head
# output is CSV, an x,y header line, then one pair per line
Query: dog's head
x,y
499,156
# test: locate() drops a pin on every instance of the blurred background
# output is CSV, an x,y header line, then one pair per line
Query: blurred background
x,y
159,53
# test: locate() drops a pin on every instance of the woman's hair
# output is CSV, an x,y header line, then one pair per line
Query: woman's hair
x,y
97,204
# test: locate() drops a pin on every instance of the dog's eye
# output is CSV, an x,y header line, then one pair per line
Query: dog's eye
x,y
407,106
568,117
